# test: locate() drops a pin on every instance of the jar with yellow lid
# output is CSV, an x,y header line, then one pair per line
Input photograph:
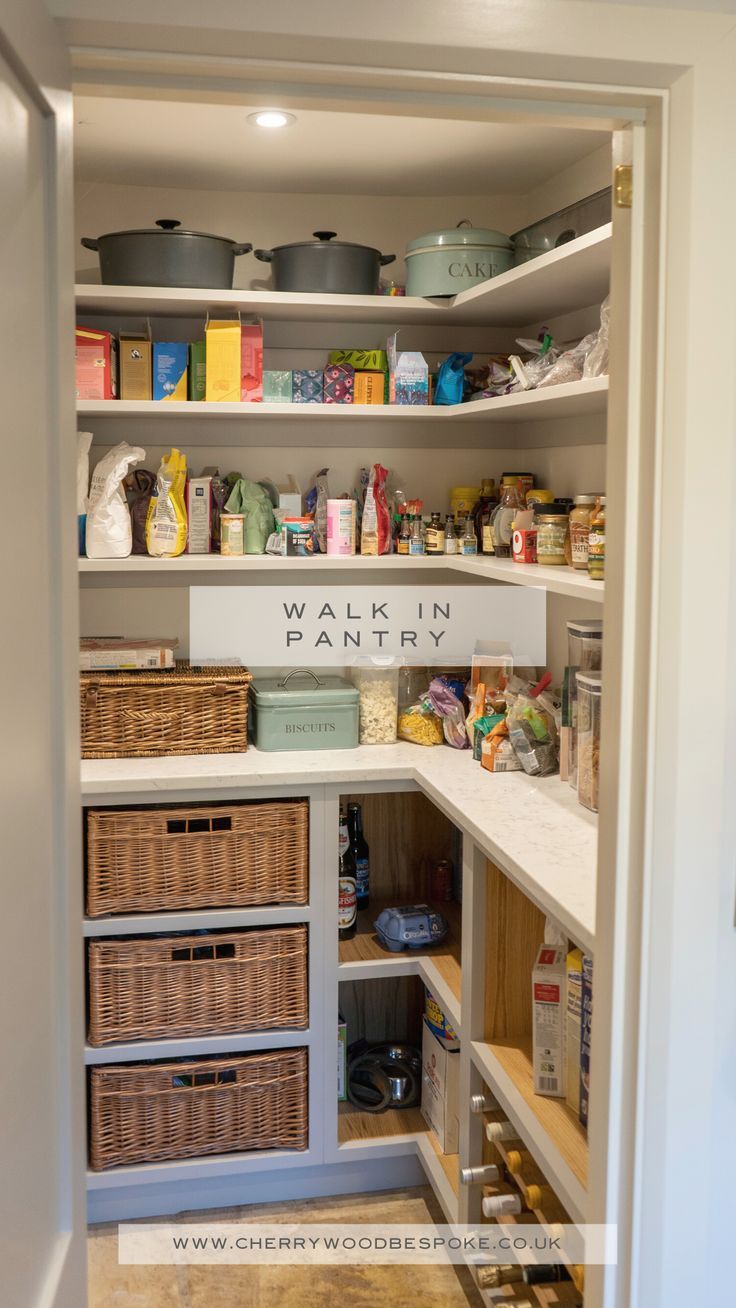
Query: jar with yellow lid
x,y
597,541
539,497
463,500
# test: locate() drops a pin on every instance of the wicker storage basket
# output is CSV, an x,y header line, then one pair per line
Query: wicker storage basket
x,y
148,860
180,710
144,1112
140,989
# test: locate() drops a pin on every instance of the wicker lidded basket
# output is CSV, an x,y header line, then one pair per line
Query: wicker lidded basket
x,y
181,710
155,859
165,986
143,1113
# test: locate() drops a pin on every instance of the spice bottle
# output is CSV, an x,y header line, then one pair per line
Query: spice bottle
x,y
580,529
597,541
402,545
416,541
502,524
440,882
435,538
469,542
450,536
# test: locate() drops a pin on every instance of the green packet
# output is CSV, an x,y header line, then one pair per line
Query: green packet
x,y
481,727
361,360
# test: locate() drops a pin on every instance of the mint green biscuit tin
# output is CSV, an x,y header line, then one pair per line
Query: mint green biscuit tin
x,y
302,710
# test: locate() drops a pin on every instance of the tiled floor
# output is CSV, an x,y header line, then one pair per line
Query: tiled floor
x,y
112,1286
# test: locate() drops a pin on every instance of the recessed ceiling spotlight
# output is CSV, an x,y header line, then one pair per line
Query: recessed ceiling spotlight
x,y
271,118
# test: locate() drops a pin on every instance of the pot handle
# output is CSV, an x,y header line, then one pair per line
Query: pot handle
x,y
386,258
265,256
242,249
324,236
90,243
168,224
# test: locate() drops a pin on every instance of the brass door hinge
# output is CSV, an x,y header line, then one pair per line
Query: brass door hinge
x,y
623,186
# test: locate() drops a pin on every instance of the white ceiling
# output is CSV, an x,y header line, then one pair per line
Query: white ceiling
x,y
165,143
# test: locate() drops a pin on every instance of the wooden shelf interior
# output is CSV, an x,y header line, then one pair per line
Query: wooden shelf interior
x,y
387,1008
514,932
354,1125
406,836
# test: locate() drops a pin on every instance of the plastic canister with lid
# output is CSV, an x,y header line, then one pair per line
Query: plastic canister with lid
x,y
589,695
551,523
539,496
524,481
584,654
341,527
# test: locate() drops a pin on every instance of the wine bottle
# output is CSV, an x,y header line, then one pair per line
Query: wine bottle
x,y
506,1202
500,1130
361,854
347,904
545,1273
521,1164
488,1174
484,1103
492,1278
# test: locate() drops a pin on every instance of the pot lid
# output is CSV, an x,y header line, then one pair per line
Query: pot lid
x,y
167,227
463,234
326,240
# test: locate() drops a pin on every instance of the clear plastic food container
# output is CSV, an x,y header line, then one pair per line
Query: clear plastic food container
x,y
584,653
589,687
377,682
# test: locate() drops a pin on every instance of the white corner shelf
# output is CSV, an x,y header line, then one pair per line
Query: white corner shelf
x,y
569,400
572,277
533,829
187,569
537,1120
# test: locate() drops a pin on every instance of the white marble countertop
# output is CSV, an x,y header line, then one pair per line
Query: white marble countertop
x,y
536,831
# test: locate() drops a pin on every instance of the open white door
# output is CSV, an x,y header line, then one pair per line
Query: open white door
x,y
42,1235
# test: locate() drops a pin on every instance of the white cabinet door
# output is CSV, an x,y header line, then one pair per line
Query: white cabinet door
x,y
42,1236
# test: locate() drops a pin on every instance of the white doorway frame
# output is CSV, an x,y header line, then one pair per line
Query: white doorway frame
x,y
669,440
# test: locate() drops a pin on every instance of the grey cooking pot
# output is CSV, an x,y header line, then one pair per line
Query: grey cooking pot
x,y
164,256
325,266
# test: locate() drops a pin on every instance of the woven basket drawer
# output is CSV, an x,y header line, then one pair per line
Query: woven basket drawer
x,y
179,710
153,987
148,860
148,1112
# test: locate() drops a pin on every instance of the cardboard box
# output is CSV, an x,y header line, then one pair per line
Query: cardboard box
x,y
307,386
548,1004
408,376
339,379
135,366
277,386
197,379
96,365
342,1059
251,362
586,1021
296,537
223,361
170,359
361,360
573,1020
290,496
369,388
438,1023
440,1089
118,653
199,512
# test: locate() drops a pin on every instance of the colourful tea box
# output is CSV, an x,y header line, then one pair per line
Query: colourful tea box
x,y
223,361
369,388
135,366
251,362
361,360
277,387
197,370
339,379
96,366
170,360
199,514
307,386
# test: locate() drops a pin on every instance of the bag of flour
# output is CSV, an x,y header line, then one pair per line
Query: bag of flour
x,y
109,534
